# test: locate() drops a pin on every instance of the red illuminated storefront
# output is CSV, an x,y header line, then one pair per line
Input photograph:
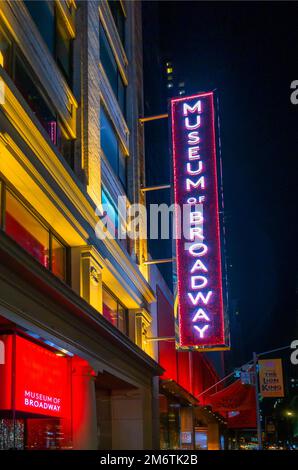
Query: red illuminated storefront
x,y
35,398
185,420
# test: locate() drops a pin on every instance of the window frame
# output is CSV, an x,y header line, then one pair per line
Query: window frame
x,y
120,148
6,186
118,77
126,321
122,36
16,54
56,17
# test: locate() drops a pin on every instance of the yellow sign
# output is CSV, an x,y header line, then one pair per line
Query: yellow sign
x,y
271,378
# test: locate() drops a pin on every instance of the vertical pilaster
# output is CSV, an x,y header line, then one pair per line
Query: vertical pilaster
x,y
84,423
86,275
90,99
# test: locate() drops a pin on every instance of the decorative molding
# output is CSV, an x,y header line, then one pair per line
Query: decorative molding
x,y
95,339
25,33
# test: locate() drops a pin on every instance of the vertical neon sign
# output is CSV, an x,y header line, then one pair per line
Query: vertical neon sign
x,y
199,272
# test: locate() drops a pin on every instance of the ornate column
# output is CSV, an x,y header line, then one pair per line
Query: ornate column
x,y
86,275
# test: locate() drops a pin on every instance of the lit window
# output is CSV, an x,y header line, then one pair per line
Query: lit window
x,y
32,235
26,230
169,70
58,259
114,311
111,146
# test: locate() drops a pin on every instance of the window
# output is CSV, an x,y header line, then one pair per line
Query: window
x,y
114,311
63,49
5,51
110,66
51,26
42,109
25,228
119,18
111,146
110,209
58,258
117,219
43,15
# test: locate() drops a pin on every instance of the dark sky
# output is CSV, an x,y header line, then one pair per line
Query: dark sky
x,y
249,52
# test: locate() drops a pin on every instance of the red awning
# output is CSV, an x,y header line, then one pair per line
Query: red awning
x,y
237,403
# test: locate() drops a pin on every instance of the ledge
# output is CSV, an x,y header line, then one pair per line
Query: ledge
x,y
59,299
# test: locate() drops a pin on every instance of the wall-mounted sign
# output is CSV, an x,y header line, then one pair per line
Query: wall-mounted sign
x,y
271,378
34,379
199,271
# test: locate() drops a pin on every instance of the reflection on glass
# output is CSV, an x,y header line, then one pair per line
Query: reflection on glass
x,y
109,307
115,312
58,258
26,230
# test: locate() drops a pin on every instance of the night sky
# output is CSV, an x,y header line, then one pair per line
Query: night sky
x,y
249,53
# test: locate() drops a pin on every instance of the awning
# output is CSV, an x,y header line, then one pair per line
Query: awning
x,y
237,403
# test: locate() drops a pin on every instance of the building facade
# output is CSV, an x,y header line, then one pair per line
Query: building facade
x,y
81,364
74,308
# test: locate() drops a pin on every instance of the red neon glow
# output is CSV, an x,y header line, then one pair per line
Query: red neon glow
x,y
35,379
200,300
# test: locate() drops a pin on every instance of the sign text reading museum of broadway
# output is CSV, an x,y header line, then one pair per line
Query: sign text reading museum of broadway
x,y
200,298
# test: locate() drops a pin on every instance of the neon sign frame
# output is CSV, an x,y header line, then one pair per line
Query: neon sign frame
x,y
200,315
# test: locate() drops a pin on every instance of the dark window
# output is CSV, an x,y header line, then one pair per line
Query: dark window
x,y
23,226
119,18
43,15
110,66
112,147
114,311
34,98
63,49
51,26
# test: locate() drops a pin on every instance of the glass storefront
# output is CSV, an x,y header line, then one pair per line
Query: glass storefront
x,y
169,423
35,396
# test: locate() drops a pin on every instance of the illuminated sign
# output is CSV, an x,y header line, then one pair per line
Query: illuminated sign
x,y
34,379
199,272
271,378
